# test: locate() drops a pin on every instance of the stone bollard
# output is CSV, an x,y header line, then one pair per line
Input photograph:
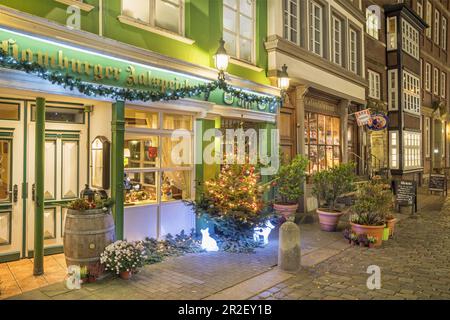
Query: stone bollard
x,y
289,247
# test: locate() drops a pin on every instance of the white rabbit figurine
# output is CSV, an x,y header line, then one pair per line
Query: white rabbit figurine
x,y
208,243
263,232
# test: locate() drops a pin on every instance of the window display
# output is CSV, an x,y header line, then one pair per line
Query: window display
x,y
322,141
154,173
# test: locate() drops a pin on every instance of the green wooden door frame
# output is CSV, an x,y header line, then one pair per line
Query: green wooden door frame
x,y
117,166
39,178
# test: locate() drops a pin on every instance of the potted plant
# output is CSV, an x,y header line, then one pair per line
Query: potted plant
x,y
390,223
368,212
289,183
347,235
362,240
123,257
329,185
353,239
371,241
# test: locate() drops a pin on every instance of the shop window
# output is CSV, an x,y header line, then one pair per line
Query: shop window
x,y
291,9
239,28
154,171
60,114
412,149
322,141
164,14
393,149
141,119
234,124
5,228
5,170
9,111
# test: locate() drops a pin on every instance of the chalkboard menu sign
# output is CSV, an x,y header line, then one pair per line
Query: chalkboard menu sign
x,y
406,192
438,182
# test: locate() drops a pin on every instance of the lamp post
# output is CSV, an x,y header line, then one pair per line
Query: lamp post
x,y
221,59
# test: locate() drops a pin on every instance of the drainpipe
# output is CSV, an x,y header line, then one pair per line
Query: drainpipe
x,y
88,110
39,178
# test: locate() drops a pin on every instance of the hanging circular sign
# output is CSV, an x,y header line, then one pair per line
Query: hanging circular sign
x,y
378,122
262,106
228,98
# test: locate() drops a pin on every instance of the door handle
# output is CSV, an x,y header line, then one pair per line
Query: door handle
x,y
15,193
33,192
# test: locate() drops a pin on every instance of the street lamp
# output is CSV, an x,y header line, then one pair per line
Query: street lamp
x,y
283,78
221,59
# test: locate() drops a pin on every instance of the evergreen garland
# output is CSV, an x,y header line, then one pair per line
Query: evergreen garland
x,y
127,94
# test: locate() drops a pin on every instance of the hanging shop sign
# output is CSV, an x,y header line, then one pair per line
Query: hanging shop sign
x,y
362,117
92,72
378,122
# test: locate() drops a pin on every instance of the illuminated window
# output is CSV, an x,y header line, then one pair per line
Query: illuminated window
x,y
412,149
393,146
410,39
427,141
372,23
392,89
411,93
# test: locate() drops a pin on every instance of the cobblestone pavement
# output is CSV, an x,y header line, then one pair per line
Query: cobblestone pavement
x,y
414,264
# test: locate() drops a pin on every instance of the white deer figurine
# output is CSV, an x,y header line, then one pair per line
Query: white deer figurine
x,y
208,243
263,232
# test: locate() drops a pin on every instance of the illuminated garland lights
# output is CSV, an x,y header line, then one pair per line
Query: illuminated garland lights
x,y
122,94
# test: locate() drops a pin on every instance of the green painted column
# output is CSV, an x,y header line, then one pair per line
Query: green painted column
x,y
117,167
39,181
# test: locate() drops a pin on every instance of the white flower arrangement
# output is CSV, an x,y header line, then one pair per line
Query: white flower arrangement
x,y
123,256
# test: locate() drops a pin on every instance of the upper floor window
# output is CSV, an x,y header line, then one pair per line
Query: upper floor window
x,y
372,23
392,33
428,15
436,81
437,24
374,85
420,8
410,39
444,33
443,84
337,41
428,76
239,28
353,51
316,28
164,14
411,93
291,9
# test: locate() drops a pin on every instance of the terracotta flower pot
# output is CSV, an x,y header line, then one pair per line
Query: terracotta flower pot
x,y
328,219
126,275
286,210
391,225
374,231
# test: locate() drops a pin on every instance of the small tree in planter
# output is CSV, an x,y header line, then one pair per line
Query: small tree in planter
x,y
329,185
372,204
289,183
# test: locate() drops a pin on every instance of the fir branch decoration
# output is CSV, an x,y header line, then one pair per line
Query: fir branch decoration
x,y
128,94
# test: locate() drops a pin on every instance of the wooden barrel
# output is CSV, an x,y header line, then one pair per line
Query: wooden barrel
x,y
86,235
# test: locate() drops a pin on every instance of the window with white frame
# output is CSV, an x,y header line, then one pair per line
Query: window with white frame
x,y
410,39
443,84
164,14
412,149
392,33
392,89
393,149
427,141
428,15
337,41
421,73
411,93
316,28
444,33
420,8
291,10
374,84
437,25
436,81
353,51
372,23
239,28
428,77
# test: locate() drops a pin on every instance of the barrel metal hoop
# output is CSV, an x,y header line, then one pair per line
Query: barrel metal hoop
x,y
83,259
85,216
89,232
